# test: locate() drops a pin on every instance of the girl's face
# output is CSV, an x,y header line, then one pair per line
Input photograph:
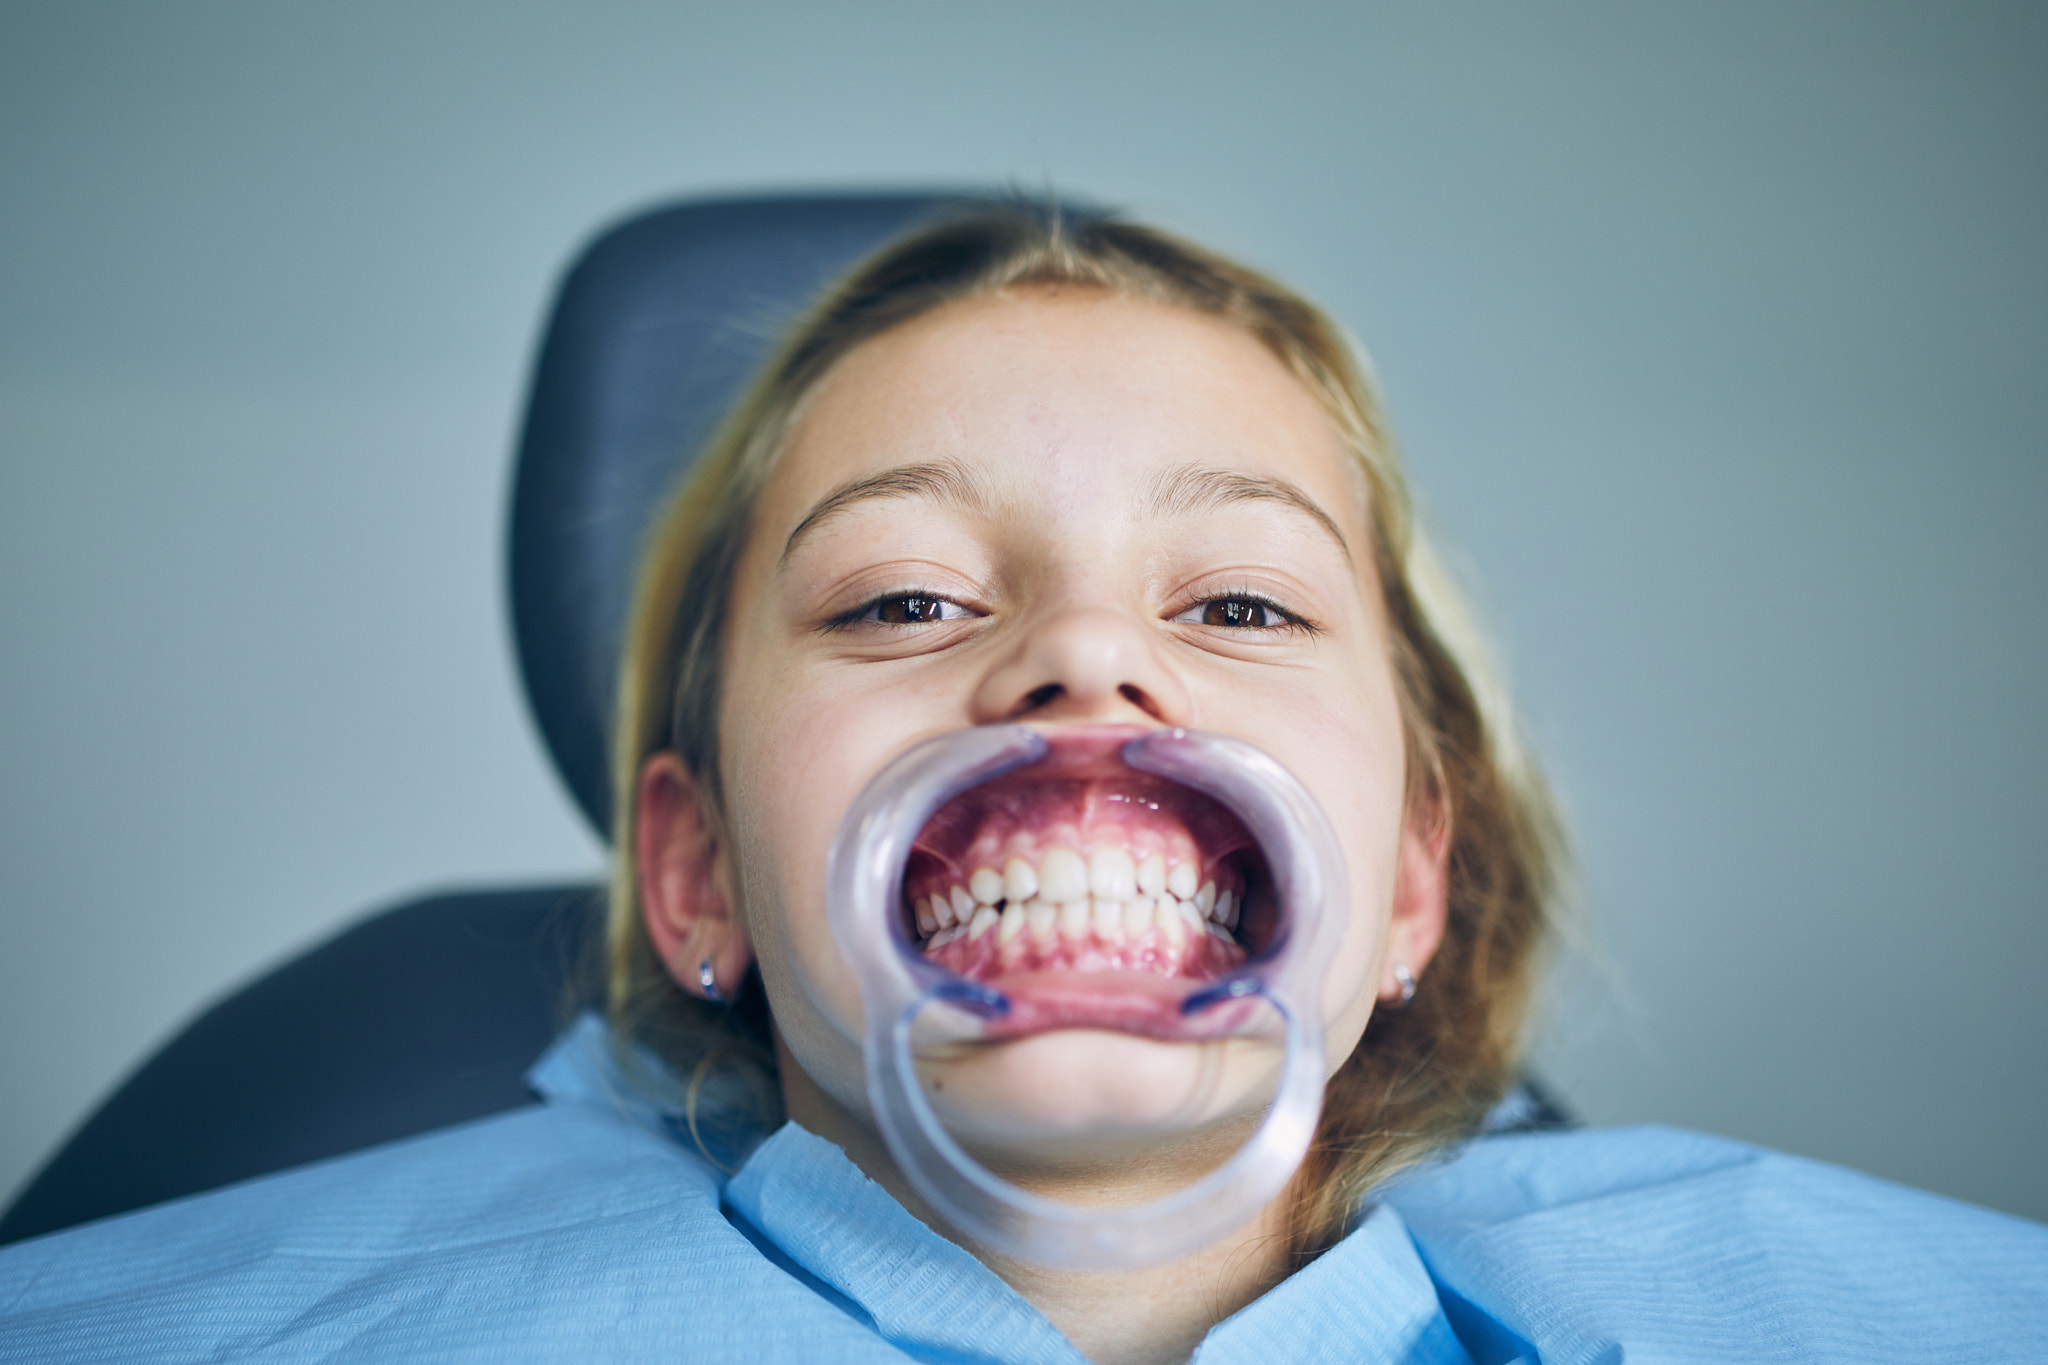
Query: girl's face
x,y
1072,509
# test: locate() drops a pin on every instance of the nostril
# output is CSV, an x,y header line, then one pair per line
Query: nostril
x,y
1039,696
1044,695
1135,695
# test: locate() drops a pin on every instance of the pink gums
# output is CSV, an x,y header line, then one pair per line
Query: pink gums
x,y
1083,797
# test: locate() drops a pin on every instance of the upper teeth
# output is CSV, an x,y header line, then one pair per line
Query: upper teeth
x,y
1062,876
1109,894
1112,874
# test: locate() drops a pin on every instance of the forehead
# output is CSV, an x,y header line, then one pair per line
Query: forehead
x,y
1062,398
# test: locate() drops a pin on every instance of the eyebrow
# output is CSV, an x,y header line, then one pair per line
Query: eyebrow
x,y
941,480
1192,488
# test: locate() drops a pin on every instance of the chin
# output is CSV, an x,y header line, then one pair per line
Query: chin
x,y
1071,1099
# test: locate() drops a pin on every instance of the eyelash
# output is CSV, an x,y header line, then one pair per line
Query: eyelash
x,y
869,611
862,614
1287,620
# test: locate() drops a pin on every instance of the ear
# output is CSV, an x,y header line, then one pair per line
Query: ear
x,y
685,880
1422,890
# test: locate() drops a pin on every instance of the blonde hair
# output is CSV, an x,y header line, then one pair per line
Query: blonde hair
x,y
1421,1077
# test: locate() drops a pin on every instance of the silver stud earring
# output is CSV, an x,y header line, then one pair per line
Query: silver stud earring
x,y
709,981
1407,980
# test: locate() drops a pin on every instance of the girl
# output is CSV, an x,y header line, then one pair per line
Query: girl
x,y
1076,475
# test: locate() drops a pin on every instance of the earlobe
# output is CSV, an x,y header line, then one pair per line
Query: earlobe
x,y
1421,902
685,883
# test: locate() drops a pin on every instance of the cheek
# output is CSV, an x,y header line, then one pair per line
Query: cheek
x,y
800,744
1346,747
795,757
784,776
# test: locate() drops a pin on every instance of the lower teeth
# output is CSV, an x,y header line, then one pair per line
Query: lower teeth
x,y
1109,923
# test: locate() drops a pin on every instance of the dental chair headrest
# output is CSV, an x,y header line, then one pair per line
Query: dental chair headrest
x,y
655,330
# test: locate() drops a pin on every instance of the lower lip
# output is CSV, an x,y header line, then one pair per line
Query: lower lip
x,y
1139,1003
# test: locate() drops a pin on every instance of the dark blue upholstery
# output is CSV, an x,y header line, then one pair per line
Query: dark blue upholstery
x,y
658,326
422,1016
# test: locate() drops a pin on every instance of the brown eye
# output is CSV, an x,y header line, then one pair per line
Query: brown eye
x,y
1233,611
1236,613
913,609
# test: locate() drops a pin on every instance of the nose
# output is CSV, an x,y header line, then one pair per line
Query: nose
x,y
1091,664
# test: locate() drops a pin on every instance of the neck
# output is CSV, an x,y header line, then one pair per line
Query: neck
x,y
1160,1314
1132,1317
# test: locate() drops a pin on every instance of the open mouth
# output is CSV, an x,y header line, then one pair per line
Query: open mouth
x,y
1081,866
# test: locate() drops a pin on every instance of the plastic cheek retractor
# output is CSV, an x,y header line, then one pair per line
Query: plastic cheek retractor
x,y
899,984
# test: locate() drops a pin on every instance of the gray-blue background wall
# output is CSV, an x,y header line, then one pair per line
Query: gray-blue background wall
x,y
1717,336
